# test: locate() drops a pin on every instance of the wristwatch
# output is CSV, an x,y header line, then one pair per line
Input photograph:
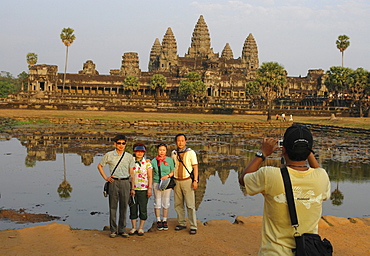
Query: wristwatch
x,y
260,154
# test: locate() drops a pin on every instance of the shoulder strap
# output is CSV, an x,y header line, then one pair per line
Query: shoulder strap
x,y
181,161
159,172
289,196
118,163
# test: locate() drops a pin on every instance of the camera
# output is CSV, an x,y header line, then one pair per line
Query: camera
x,y
280,143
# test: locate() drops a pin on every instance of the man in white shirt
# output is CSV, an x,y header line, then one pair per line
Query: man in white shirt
x,y
185,163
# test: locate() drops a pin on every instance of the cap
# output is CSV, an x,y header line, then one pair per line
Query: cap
x,y
140,148
298,138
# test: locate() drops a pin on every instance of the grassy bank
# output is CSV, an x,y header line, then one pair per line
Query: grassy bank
x,y
354,122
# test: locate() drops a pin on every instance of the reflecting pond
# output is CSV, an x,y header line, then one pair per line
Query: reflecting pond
x,y
56,173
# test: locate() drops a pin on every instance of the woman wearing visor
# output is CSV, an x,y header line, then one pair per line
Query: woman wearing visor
x,y
142,189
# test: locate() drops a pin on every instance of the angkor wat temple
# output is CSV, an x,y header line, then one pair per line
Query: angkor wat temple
x,y
225,76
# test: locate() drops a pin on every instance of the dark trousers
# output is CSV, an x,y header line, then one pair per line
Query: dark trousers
x,y
119,194
141,202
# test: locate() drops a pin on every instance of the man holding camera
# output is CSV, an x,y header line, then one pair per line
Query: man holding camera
x,y
310,185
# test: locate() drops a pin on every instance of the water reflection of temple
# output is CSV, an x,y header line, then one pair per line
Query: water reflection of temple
x,y
218,153
46,147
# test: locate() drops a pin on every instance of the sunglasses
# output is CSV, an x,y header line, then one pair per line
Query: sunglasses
x,y
121,143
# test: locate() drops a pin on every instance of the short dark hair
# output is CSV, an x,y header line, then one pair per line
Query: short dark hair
x,y
298,142
162,145
119,137
180,134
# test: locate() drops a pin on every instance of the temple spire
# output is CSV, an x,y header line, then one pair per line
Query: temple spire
x,y
154,55
227,53
168,56
200,41
250,56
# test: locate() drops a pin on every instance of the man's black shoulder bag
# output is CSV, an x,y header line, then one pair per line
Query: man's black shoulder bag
x,y
106,184
306,244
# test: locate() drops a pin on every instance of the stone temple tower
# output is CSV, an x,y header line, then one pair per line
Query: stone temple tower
x,y
201,41
130,64
155,53
168,56
227,53
250,56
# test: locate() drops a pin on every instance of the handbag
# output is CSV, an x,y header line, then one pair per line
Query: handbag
x,y
190,173
106,184
171,183
306,244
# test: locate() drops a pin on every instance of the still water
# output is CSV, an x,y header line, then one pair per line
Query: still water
x,y
36,169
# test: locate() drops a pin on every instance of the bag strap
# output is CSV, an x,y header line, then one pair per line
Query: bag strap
x,y
118,163
289,197
181,161
159,172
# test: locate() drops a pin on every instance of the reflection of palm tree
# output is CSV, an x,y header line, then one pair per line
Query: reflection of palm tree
x,y
64,189
337,197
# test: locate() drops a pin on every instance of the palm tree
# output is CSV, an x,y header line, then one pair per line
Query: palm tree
x,y
338,80
131,83
64,189
337,196
342,44
157,82
357,86
67,37
31,59
272,80
192,86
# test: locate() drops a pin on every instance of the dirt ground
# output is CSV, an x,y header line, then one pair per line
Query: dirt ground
x,y
216,237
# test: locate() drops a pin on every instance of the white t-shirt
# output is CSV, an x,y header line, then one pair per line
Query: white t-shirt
x,y
189,158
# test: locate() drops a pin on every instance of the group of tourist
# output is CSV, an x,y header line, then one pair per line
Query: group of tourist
x,y
136,176
133,179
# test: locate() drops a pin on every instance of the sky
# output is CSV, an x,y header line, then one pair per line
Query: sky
x,y
298,34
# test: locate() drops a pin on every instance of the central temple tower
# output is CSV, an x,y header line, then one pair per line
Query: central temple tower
x,y
201,41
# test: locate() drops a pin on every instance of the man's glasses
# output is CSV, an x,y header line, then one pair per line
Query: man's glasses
x,y
121,143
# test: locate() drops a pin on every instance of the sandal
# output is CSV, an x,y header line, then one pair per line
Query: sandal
x,y
140,232
193,231
180,227
132,232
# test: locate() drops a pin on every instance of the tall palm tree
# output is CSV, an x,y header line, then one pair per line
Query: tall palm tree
x,y
67,37
272,80
31,59
342,44
65,188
